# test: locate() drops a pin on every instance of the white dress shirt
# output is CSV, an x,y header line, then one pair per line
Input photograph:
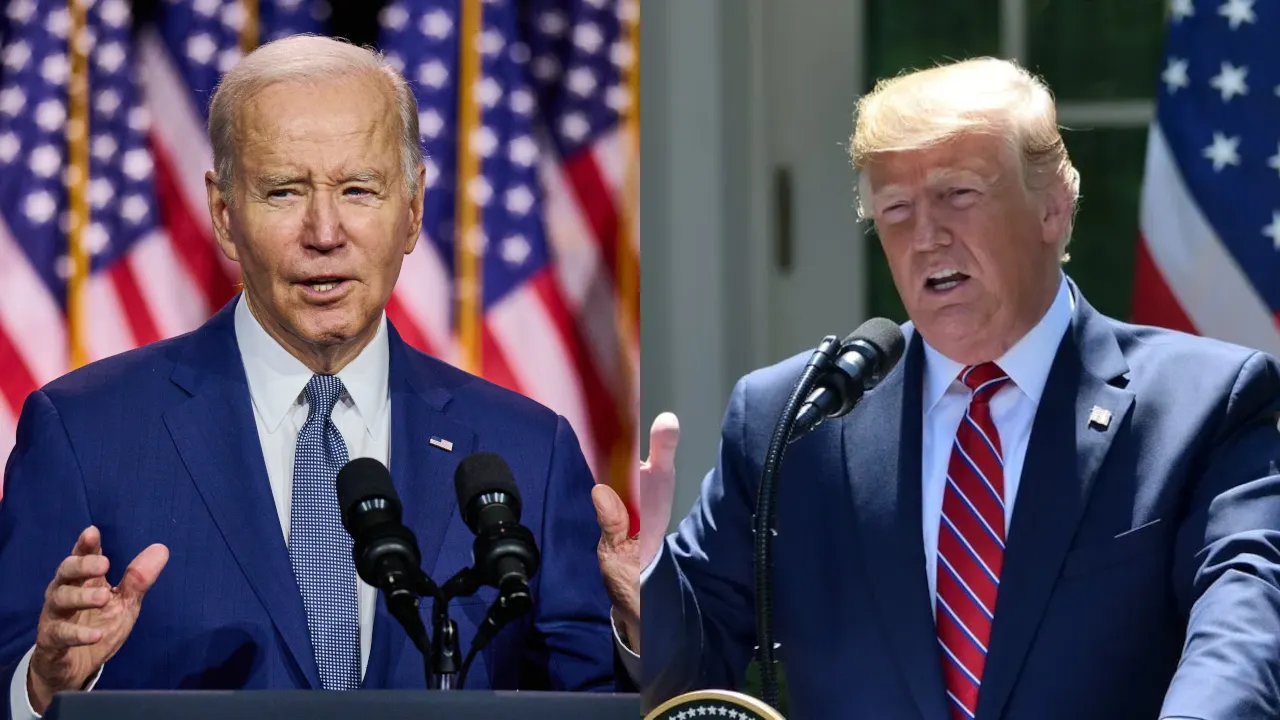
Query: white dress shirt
x,y
1013,409
276,383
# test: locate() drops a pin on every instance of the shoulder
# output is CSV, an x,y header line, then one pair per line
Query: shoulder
x,y
1191,362
130,377
475,400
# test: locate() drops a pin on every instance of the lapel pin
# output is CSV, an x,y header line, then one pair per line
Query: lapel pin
x,y
1100,418
441,443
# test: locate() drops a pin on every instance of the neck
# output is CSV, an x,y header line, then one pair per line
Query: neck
x,y
321,359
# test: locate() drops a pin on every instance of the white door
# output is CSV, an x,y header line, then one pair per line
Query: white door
x,y
813,60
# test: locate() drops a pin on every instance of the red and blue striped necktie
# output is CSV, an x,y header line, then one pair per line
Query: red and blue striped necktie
x,y
971,540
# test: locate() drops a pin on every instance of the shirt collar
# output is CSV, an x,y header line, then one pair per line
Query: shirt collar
x,y
277,378
1027,363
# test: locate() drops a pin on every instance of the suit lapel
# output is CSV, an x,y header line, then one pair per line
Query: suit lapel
x,y
216,436
1063,457
423,476
882,447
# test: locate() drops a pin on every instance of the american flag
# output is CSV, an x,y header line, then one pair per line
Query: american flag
x,y
541,294
1209,258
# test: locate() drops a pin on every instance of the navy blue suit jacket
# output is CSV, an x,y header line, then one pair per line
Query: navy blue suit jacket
x,y
159,445
1142,572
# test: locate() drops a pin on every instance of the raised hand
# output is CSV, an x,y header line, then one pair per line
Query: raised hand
x,y
84,620
622,557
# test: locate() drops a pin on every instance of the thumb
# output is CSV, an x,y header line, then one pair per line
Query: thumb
x,y
664,436
142,573
611,513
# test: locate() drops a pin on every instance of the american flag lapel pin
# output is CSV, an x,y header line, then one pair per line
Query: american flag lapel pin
x,y
445,445
1100,418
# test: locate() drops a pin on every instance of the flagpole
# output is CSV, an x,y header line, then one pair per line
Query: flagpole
x,y
248,39
77,181
627,260
468,247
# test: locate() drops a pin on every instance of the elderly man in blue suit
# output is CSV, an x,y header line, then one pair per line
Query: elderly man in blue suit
x,y
199,472
1040,513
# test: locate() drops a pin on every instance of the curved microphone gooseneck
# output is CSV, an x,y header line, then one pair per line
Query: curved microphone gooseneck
x,y
831,384
766,511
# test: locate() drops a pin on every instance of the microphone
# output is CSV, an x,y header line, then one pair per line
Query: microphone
x,y
385,551
505,554
865,357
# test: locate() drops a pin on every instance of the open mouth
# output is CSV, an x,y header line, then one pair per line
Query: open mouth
x,y
945,280
324,285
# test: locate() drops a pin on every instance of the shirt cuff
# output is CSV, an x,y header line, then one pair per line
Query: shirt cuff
x,y
19,702
648,570
630,660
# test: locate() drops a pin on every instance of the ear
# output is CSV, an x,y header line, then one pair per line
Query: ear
x,y
416,210
1056,209
220,213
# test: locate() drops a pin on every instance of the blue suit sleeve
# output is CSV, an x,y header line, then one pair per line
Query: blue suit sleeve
x,y
43,510
572,623
1228,566
697,602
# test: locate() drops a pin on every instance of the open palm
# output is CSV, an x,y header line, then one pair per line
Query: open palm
x,y
85,621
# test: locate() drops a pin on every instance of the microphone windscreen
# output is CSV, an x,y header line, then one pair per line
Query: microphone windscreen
x,y
364,478
481,473
885,336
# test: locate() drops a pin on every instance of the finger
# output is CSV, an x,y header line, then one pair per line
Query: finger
x,y
68,599
142,573
664,436
78,568
89,542
611,513
62,634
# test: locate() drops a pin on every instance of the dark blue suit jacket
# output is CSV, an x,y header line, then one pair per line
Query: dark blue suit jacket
x,y
1141,579
159,445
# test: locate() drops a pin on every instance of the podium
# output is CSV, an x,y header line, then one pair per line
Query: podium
x,y
327,705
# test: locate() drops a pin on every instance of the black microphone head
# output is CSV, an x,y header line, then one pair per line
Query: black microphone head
x,y
363,479
481,476
885,337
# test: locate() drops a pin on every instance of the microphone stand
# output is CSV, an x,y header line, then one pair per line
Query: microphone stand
x,y
819,363
443,665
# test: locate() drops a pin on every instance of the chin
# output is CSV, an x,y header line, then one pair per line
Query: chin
x,y
329,327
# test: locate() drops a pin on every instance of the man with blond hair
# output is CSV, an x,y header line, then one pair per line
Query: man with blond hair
x,y
170,519
1040,513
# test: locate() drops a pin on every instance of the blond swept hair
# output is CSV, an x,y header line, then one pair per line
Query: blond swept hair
x,y
306,59
920,109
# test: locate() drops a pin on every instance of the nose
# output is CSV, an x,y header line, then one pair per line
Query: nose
x,y
928,232
323,228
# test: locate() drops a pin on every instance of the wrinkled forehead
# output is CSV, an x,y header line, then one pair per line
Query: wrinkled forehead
x,y
977,158
329,119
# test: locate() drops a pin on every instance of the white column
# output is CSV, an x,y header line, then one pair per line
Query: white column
x,y
683,323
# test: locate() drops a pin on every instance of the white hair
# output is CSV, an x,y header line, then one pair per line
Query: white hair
x,y
306,59
921,109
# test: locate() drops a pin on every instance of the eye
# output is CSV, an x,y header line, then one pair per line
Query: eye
x,y
357,192
280,193
896,212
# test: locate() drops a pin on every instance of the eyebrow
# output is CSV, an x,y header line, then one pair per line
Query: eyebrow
x,y
274,180
366,176
935,176
278,179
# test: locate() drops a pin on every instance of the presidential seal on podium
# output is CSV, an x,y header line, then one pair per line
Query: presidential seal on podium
x,y
713,705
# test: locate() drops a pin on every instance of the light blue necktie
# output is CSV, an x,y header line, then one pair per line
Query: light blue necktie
x,y
319,547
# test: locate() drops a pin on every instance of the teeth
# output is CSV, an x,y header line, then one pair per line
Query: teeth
x,y
324,286
944,273
946,285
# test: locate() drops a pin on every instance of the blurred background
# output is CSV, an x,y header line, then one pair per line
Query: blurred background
x,y
752,247
528,278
